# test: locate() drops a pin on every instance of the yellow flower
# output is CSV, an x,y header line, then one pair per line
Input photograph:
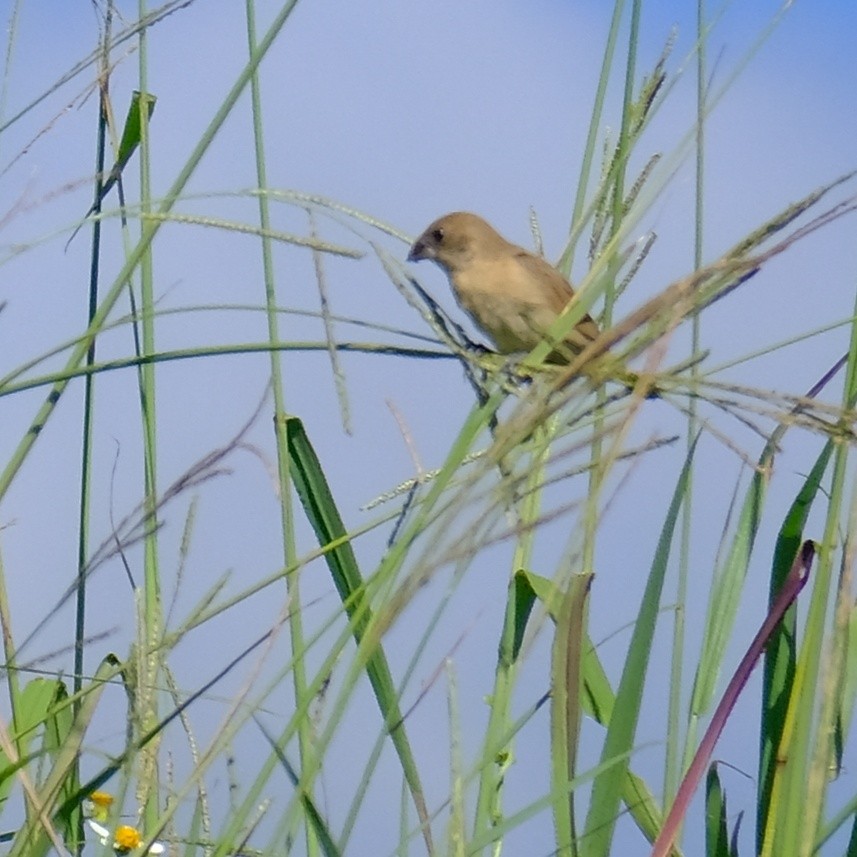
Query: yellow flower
x,y
100,805
126,838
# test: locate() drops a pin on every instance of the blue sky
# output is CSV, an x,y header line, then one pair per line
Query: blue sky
x,y
405,111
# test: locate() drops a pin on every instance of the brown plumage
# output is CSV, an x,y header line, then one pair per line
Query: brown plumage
x,y
512,295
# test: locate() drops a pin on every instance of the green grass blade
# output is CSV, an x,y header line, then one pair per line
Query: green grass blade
x,y
849,684
567,262
32,711
39,833
519,604
723,602
794,583
780,666
716,831
314,817
598,700
320,507
798,781
58,730
566,680
151,228
130,142
619,741
194,831
457,836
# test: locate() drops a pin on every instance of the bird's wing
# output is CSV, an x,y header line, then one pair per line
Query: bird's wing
x,y
557,289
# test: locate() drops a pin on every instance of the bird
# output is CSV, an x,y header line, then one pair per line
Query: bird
x,y
512,295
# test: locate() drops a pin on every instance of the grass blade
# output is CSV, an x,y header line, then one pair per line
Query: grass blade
x,y
796,580
323,515
780,664
566,682
607,789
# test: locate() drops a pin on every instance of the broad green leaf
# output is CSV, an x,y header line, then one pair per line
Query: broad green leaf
x,y
320,508
34,839
779,666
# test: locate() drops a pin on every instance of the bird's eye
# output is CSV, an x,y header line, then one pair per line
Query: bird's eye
x,y
437,235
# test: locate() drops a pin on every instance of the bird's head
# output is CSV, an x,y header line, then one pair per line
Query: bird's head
x,y
454,240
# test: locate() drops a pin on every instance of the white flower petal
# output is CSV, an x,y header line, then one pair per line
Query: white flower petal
x,y
100,831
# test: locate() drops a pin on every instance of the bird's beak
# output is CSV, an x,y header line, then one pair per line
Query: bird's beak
x,y
420,250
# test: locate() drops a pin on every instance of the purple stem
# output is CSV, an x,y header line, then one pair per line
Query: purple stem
x,y
792,585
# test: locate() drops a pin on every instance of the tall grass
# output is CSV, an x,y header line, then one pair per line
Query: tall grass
x,y
297,722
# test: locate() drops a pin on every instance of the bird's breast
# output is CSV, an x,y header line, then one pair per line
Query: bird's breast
x,y
506,307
